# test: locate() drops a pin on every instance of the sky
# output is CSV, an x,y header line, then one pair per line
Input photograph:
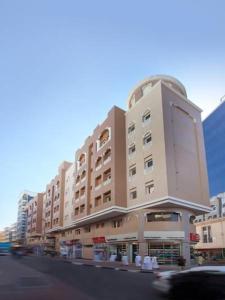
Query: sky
x,y
64,64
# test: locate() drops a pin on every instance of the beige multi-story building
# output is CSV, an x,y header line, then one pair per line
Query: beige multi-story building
x,y
140,178
53,205
34,221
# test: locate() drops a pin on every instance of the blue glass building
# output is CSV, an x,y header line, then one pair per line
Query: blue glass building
x,y
214,134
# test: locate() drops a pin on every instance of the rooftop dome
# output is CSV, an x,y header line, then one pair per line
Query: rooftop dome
x,y
145,85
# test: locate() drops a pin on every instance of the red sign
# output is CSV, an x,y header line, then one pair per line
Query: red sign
x,y
98,240
194,237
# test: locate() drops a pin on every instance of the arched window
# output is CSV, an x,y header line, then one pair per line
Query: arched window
x,y
104,137
107,154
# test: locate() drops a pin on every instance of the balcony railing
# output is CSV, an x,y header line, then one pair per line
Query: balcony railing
x,y
98,187
107,181
108,159
98,167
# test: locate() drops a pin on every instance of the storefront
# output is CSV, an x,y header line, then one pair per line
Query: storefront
x,y
165,245
100,249
123,244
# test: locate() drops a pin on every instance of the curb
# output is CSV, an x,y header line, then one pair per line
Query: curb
x,y
112,268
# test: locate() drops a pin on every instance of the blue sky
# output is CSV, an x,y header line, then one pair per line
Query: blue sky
x,y
64,64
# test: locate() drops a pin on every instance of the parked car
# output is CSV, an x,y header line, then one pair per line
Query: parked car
x,y
205,282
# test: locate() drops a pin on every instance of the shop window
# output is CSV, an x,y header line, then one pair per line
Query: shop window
x,y
131,128
149,187
146,116
132,170
147,138
133,194
131,149
107,197
148,163
163,216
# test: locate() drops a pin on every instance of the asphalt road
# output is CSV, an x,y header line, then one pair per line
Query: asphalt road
x,y
48,278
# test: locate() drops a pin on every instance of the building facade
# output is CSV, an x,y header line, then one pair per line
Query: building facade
x,y
24,198
141,178
53,207
34,221
211,229
214,132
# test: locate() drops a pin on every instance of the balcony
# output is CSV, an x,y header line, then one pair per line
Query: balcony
x,y
107,181
98,187
107,160
98,167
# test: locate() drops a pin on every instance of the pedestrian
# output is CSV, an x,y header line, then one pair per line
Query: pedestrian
x,y
200,259
181,262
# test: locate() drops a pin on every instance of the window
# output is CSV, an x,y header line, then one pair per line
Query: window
x,y
107,175
77,231
87,229
107,197
133,194
132,170
104,137
82,208
77,194
148,163
98,201
149,187
98,162
76,211
207,234
82,191
98,180
147,138
163,216
117,223
131,128
107,155
78,179
192,219
131,149
146,116
83,175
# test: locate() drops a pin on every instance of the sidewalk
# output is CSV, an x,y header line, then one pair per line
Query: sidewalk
x,y
118,266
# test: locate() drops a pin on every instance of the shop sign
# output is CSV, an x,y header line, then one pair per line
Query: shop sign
x,y
99,240
194,237
165,235
122,237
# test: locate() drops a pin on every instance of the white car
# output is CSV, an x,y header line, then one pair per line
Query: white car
x,y
163,279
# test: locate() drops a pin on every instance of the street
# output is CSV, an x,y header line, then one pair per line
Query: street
x,y
48,278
